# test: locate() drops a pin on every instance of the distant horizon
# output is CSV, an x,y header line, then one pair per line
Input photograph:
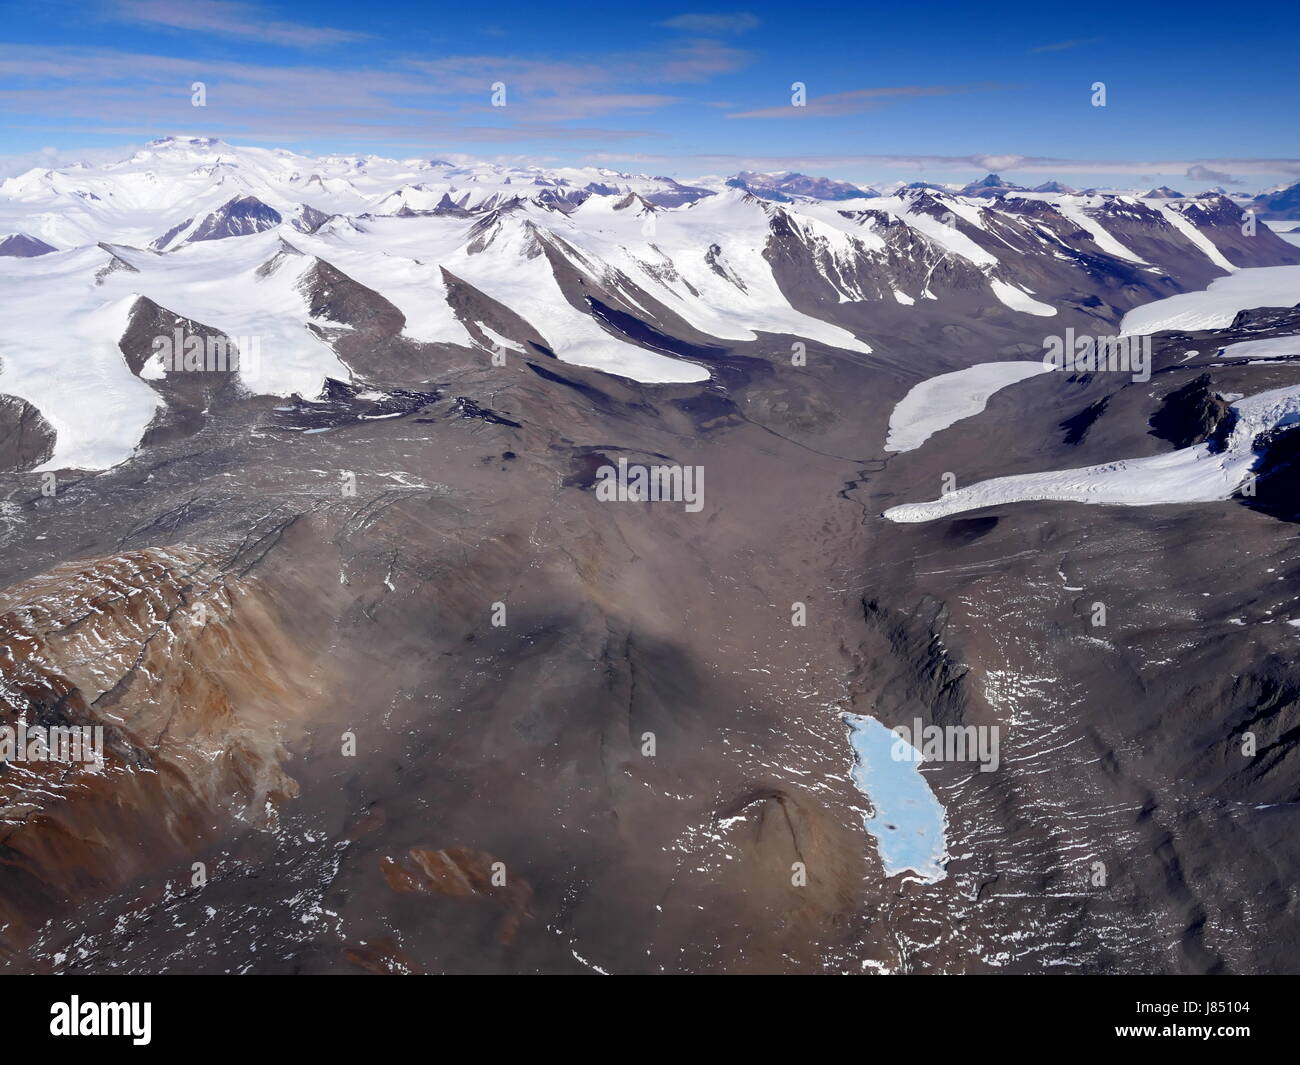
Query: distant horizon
x,y
52,159
866,96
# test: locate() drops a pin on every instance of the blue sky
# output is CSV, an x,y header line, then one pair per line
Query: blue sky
x,y
941,91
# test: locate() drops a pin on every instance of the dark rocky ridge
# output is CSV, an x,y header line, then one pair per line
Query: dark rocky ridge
x,y
22,246
26,438
1282,204
1189,414
236,218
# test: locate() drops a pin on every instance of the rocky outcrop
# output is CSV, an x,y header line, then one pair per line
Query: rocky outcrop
x,y
1190,413
462,872
26,438
192,677
22,246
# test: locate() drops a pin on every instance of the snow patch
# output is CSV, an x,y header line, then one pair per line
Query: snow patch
x,y
1271,348
1019,300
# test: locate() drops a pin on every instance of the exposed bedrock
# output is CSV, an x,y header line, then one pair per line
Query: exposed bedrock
x,y
195,672
26,438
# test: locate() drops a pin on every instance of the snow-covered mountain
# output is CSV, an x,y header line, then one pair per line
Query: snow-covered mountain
x,y
786,187
991,185
21,246
362,268
1282,202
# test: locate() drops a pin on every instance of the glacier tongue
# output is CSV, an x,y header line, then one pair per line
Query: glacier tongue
x,y
1265,286
1190,475
938,402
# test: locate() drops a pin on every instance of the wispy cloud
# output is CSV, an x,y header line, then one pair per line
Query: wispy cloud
x,y
960,164
688,62
995,163
559,90
74,90
856,101
737,22
569,106
468,75
228,18
1061,46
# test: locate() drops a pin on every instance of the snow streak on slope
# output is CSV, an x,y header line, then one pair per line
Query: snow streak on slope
x,y
1174,213
1078,214
1019,300
1190,475
948,237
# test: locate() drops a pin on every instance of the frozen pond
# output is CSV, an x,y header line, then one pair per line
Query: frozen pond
x,y
909,823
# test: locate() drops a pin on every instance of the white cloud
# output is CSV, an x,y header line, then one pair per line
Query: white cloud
x,y
229,18
738,22
856,101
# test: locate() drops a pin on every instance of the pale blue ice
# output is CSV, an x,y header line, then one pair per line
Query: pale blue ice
x,y
908,823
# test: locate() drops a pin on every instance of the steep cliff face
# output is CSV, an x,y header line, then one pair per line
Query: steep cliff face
x,y
26,438
190,672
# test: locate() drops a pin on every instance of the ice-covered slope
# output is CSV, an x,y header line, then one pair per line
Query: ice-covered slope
x,y
1271,348
509,263
58,349
1277,286
705,261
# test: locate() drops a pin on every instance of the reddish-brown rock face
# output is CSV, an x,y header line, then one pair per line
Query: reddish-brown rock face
x,y
188,675
461,872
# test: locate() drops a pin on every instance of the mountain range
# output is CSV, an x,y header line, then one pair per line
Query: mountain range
x,y
358,268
